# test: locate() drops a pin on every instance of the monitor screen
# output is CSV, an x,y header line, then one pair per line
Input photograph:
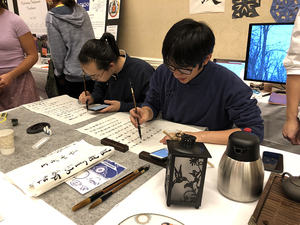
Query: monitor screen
x,y
266,49
236,66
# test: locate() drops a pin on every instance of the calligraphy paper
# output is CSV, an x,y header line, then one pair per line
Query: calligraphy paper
x,y
94,177
55,168
63,108
118,127
206,6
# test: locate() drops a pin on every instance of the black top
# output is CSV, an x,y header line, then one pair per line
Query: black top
x,y
118,86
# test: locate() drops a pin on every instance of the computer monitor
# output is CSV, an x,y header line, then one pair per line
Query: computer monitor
x,y
266,49
236,66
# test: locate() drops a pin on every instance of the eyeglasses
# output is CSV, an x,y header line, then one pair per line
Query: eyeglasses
x,y
180,70
93,76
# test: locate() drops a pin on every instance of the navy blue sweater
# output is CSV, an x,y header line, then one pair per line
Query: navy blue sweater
x,y
118,86
216,98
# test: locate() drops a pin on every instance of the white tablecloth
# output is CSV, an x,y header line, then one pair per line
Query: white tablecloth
x,y
16,208
40,74
215,208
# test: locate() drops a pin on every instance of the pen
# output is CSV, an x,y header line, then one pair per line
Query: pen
x,y
87,105
105,197
106,189
137,119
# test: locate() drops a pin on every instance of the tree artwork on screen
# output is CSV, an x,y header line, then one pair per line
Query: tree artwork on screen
x,y
268,48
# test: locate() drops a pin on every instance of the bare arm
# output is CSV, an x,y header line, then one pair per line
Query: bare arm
x,y
29,47
291,129
213,137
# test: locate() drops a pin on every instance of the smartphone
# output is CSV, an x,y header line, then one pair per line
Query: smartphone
x,y
273,161
98,107
160,154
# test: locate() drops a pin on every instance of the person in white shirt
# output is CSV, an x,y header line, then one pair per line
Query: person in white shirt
x,y
291,128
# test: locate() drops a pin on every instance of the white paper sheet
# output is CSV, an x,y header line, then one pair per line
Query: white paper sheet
x,y
17,208
119,128
206,6
47,172
63,108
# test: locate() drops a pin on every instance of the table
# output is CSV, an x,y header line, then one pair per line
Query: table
x,y
146,194
274,119
215,208
58,201
40,73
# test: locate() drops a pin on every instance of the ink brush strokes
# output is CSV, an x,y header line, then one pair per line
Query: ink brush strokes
x,y
137,120
98,194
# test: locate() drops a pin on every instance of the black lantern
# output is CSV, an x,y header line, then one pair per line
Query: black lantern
x,y
185,173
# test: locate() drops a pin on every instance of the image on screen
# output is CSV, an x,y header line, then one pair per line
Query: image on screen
x,y
266,49
236,66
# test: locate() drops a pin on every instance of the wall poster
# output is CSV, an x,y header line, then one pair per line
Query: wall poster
x,y
206,6
113,17
97,12
33,12
104,14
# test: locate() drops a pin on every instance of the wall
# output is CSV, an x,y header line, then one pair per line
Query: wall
x,y
144,24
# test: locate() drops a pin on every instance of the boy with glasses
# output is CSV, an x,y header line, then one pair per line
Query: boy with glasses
x,y
190,89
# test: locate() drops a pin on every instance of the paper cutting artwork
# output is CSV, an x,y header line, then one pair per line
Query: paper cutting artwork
x,y
62,108
118,127
95,176
245,8
284,10
206,6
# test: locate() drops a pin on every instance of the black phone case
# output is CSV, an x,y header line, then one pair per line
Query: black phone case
x,y
98,108
273,161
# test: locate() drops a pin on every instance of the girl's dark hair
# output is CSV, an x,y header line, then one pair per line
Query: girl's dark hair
x,y
69,3
102,51
3,5
187,44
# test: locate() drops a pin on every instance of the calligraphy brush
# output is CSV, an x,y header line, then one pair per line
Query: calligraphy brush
x,y
137,119
106,189
87,105
105,197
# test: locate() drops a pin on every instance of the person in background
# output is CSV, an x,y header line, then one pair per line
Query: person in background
x,y
68,28
17,85
190,89
291,128
112,68
35,41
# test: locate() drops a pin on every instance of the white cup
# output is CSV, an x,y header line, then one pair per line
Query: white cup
x,y
7,142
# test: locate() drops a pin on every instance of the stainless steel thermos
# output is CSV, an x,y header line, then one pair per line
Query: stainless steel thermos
x,y
241,170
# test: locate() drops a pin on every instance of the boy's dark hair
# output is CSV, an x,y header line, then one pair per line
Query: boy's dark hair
x,y
102,51
187,44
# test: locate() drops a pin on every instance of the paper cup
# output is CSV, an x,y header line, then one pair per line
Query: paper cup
x,y
7,142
